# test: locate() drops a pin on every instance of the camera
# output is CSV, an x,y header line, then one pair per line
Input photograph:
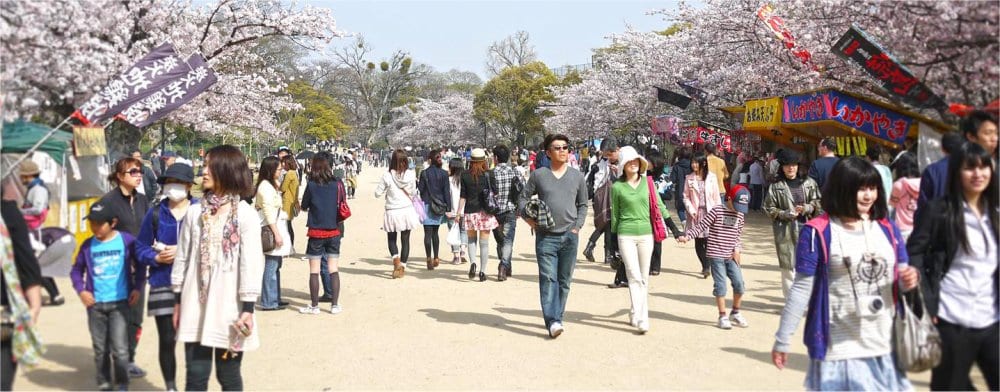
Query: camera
x,y
870,305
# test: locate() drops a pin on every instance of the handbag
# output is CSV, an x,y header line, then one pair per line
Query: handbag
x,y
343,210
916,339
267,240
488,198
659,229
418,204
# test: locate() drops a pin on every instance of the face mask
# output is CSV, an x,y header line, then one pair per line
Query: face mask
x,y
175,192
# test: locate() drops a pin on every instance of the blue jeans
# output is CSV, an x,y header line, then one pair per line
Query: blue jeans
x,y
556,255
109,334
269,294
722,269
324,277
504,235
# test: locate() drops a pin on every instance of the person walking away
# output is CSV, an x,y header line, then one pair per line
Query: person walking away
x,y
717,166
472,208
436,194
108,280
656,164
905,191
723,226
602,179
791,201
21,292
155,250
631,221
321,200
701,194
509,186
398,185
455,169
679,177
850,260
217,274
756,184
35,210
954,246
269,205
564,192
129,207
819,170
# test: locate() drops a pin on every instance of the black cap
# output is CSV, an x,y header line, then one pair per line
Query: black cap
x,y
100,212
178,171
787,156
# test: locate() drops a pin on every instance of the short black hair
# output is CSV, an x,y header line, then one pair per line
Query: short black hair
x,y
502,153
609,143
710,148
970,124
840,193
952,142
553,137
874,152
829,142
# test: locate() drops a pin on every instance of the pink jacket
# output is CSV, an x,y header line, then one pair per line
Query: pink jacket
x,y
904,200
694,198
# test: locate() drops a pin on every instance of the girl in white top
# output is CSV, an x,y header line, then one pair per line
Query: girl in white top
x,y
455,169
398,186
268,202
217,273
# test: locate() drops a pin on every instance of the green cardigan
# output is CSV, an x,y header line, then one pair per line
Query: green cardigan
x,y
630,208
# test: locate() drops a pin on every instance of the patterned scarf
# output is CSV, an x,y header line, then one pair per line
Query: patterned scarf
x,y
26,344
210,204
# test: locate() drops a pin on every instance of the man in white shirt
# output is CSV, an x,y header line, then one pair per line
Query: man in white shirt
x,y
756,184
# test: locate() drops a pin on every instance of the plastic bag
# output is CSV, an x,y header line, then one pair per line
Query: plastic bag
x,y
455,235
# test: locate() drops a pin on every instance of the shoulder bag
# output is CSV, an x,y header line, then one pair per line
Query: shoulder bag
x,y
343,210
916,339
267,241
659,229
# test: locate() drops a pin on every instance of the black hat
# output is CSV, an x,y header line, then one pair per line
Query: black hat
x,y
787,156
178,171
100,212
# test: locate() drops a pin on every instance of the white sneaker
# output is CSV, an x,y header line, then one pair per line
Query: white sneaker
x,y
335,309
643,326
724,323
739,320
555,329
308,309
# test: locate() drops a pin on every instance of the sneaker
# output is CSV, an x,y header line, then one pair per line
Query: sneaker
x,y
724,323
309,309
104,386
135,371
739,320
555,329
335,309
643,326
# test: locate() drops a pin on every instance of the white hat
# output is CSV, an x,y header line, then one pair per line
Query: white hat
x,y
627,154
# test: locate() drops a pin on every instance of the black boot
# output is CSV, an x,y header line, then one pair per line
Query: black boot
x,y
588,251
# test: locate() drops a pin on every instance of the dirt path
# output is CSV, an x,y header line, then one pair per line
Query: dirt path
x,y
438,330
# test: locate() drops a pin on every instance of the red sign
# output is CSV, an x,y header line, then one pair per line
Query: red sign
x,y
776,25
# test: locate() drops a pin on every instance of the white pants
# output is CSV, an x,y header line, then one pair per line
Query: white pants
x,y
636,251
787,279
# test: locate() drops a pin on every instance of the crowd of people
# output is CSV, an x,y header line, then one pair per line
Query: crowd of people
x,y
851,236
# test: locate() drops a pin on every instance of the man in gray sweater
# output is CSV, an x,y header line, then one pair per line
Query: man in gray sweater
x,y
564,190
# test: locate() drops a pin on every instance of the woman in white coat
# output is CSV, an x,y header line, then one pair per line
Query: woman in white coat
x,y
398,186
217,274
268,203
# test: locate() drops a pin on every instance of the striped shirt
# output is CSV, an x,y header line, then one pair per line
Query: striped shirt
x,y
723,227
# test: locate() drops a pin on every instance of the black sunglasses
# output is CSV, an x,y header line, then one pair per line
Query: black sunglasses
x,y
134,171
559,148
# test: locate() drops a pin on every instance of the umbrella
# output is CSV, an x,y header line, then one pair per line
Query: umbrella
x,y
305,155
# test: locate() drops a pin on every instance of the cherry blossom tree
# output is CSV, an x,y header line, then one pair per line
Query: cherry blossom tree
x,y
447,121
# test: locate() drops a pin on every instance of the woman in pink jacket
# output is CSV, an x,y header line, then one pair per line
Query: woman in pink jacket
x,y
905,191
701,193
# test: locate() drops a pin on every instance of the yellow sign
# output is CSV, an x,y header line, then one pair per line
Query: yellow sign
x,y
762,114
89,141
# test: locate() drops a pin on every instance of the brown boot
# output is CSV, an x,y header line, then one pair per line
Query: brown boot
x,y
397,268
437,262
430,263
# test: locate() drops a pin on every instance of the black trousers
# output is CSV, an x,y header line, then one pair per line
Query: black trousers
x,y
7,366
199,367
701,249
961,348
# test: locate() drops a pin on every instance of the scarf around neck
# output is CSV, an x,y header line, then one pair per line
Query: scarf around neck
x,y
211,204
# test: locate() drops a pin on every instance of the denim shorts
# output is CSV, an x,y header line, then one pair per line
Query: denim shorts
x,y
319,247
720,270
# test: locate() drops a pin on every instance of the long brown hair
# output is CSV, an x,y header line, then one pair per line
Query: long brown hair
x,y
477,168
399,162
230,172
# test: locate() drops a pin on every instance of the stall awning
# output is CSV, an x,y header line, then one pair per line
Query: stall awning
x,y
19,136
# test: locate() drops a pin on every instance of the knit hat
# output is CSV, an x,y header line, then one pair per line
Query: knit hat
x,y
627,154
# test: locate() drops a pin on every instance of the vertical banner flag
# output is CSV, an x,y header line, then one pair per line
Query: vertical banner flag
x,y
198,78
862,50
776,25
148,74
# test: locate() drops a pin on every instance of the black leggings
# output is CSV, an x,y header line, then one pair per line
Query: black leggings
x,y
432,242
50,286
701,249
168,359
404,238
199,367
8,368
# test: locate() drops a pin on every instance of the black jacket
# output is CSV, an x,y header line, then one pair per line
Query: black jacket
x,y
932,247
677,175
433,185
129,209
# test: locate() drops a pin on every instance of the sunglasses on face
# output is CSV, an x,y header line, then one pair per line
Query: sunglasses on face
x,y
134,172
559,148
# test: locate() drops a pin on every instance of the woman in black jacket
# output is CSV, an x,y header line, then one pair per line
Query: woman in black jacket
x,y
954,246
679,172
321,200
436,194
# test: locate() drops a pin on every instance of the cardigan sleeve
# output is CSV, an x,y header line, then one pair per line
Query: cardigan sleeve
x,y
251,263
184,252
268,202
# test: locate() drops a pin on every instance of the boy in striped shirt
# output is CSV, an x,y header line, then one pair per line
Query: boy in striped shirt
x,y
724,226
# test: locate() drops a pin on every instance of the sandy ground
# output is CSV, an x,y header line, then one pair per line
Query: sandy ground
x,y
437,330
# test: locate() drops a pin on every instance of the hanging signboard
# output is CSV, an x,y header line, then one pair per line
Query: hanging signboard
x,y
762,114
861,49
89,141
698,132
866,117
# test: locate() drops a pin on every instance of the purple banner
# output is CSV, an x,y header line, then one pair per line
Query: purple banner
x,y
174,94
866,117
147,75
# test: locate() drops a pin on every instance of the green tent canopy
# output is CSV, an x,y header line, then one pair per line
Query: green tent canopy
x,y
19,136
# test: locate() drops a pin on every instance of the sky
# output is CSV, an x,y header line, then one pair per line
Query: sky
x,y
455,34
